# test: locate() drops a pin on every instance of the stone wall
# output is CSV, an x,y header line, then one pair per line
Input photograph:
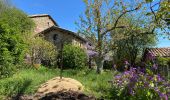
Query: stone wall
x,y
42,23
64,37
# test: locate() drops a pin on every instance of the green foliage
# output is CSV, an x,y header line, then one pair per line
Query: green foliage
x,y
130,42
13,25
163,61
39,48
159,13
135,84
74,57
100,18
26,83
148,1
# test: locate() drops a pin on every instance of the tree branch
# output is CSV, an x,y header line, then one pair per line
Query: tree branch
x,y
153,12
117,20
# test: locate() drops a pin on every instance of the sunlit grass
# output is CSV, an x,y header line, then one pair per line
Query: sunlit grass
x,y
27,81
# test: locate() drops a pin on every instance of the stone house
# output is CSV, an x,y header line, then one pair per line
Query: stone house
x,y
46,26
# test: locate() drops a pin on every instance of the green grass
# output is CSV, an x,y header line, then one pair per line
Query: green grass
x,y
27,81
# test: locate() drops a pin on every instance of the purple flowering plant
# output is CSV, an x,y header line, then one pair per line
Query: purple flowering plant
x,y
142,83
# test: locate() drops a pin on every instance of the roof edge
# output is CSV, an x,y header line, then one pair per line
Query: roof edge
x,y
56,27
43,15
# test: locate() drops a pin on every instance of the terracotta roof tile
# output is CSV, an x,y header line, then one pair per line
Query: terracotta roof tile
x,y
163,52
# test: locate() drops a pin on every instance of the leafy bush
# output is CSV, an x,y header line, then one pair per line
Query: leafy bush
x,y
14,24
141,84
43,50
25,82
163,61
73,57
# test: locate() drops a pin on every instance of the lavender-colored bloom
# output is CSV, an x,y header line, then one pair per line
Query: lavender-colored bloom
x,y
163,96
131,92
91,53
126,62
155,66
143,70
137,78
150,56
159,78
166,97
118,76
127,73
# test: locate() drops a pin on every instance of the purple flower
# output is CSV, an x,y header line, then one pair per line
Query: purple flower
x,y
118,77
131,92
159,78
150,56
91,53
155,66
126,62
163,96
166,97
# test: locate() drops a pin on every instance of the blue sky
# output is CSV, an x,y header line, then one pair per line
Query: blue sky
x,y
64,12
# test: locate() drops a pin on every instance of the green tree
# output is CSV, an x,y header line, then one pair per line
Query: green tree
x,y
159,11
100,18
14,24
129,43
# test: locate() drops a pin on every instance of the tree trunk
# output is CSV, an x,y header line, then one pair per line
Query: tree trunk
x,y
99,62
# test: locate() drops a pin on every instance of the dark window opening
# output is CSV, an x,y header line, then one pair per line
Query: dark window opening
x,y
55,37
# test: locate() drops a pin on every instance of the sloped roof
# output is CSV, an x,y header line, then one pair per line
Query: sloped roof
x,y
63,30
162,52
43,15
55,27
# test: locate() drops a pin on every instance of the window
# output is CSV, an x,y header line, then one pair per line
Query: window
x,y
55,37
48,24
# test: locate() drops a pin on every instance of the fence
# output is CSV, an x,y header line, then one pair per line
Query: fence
x,y
164,70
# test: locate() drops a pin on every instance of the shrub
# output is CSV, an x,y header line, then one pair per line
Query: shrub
x,y
73,57
14,24
163,61
141,84
43,50
25,81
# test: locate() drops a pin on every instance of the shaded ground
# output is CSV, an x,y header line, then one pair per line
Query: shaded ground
x,y
61,95
69,95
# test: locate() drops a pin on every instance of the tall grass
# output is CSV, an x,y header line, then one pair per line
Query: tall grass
x,y
27,81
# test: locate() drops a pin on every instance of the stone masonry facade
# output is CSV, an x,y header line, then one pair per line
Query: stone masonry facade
x,y
46,26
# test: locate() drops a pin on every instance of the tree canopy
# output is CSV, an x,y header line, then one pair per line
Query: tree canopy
x,y
100,18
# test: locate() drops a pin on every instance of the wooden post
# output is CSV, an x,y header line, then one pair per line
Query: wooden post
x,y
90,66
61,61
167,71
